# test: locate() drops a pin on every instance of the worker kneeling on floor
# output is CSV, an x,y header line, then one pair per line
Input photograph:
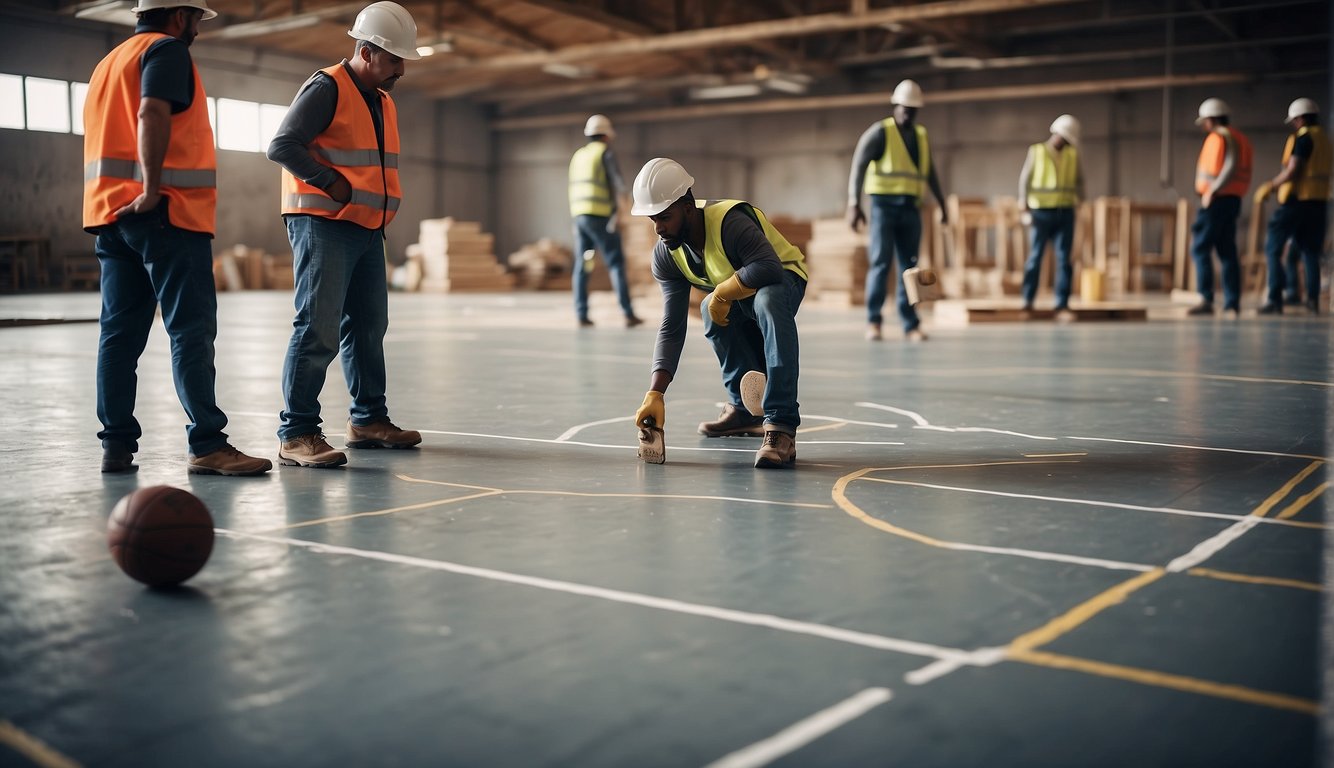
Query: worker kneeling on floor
x,y
756,281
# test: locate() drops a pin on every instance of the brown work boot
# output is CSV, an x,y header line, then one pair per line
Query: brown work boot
x,y
381,434
779,450
733,422
309,451
227,461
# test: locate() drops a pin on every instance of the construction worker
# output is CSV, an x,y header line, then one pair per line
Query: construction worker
x,y
756,280
893,157
1222,177
1301,216
1051,184
338,148
150,196
595,188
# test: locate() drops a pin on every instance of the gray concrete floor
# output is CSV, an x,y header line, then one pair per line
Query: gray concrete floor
x,y
1015,545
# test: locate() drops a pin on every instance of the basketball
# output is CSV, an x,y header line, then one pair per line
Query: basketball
x,y
160,535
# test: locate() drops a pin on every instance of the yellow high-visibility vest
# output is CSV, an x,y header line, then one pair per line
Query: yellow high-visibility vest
x,y
1312,182
716,266
895,173
590,191
1053,182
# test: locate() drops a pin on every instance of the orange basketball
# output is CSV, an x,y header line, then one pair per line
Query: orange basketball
x,y
160,535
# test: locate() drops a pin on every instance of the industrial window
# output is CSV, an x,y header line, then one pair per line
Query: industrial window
x,y
78,94
11,101
270,118
238,125
48,104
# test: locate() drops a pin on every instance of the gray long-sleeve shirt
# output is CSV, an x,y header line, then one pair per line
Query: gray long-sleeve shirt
x,y
748,251
310,115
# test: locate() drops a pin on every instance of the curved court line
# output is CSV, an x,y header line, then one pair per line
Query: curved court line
x,y
768,621
839,494
576,429
802,504
804,731
1089,502
920,422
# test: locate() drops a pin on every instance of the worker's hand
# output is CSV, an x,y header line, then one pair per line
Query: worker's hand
x,y
728,291
653,408
1207,198
340,190
1026,217
1262,191
944,215
144,203
611,224
855,217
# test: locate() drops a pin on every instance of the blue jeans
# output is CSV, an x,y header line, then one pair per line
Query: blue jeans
x,y
1303,222
342,306
894,229
761,335
1216,229
1050,224
146,262
590,233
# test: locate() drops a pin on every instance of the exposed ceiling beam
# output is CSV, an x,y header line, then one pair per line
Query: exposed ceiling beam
x,y
277,24
879,99
1055,59
758,30
603,19
1108,20
508,27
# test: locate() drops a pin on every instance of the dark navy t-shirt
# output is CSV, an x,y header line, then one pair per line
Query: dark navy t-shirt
x,y
167,72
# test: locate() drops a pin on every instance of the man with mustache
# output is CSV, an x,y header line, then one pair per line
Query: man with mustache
x,y
338,147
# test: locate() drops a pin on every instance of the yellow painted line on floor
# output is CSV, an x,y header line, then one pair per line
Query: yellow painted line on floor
x,y
1283,492
382,512
975,464
808,430
840,495
1246,578
32,748
1167,680
1052,455
1071,619
1301,502
412,479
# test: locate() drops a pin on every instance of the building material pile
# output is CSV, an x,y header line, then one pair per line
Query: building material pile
x,y
241,268
541,266
458,256
836,257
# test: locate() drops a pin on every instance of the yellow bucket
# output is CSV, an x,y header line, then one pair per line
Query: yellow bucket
x,y
1091,284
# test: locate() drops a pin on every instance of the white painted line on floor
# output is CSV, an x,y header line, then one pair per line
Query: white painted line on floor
x,y
803,732
917,418
1202,448
1055,557
1211,546
572,431
1084,502
982,657
849,636
921,422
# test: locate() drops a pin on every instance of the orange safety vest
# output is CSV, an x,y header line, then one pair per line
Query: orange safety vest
x,y
350,147
1211,159
112,177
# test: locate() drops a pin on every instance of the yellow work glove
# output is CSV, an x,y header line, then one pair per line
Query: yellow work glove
x,y
728,291
1262,191
653,408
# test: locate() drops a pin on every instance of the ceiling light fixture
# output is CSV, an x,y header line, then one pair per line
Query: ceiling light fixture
x,y
112,12
572,71
734,91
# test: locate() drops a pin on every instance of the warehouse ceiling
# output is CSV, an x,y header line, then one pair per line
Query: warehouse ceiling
x,y
546,61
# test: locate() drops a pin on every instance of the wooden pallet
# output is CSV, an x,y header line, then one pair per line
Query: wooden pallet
x,y
957,314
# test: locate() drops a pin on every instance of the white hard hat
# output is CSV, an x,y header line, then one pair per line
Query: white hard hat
x,y
660,183
1213,108
599,125
1067,127
909,94
150,5
387,25
1301,107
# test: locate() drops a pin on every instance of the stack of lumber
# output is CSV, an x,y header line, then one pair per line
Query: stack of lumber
x,y
836,257
241,268
459,256
795,231
541,266
638,241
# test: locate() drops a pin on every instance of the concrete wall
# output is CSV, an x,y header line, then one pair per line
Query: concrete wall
x,y
797,164
445,163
